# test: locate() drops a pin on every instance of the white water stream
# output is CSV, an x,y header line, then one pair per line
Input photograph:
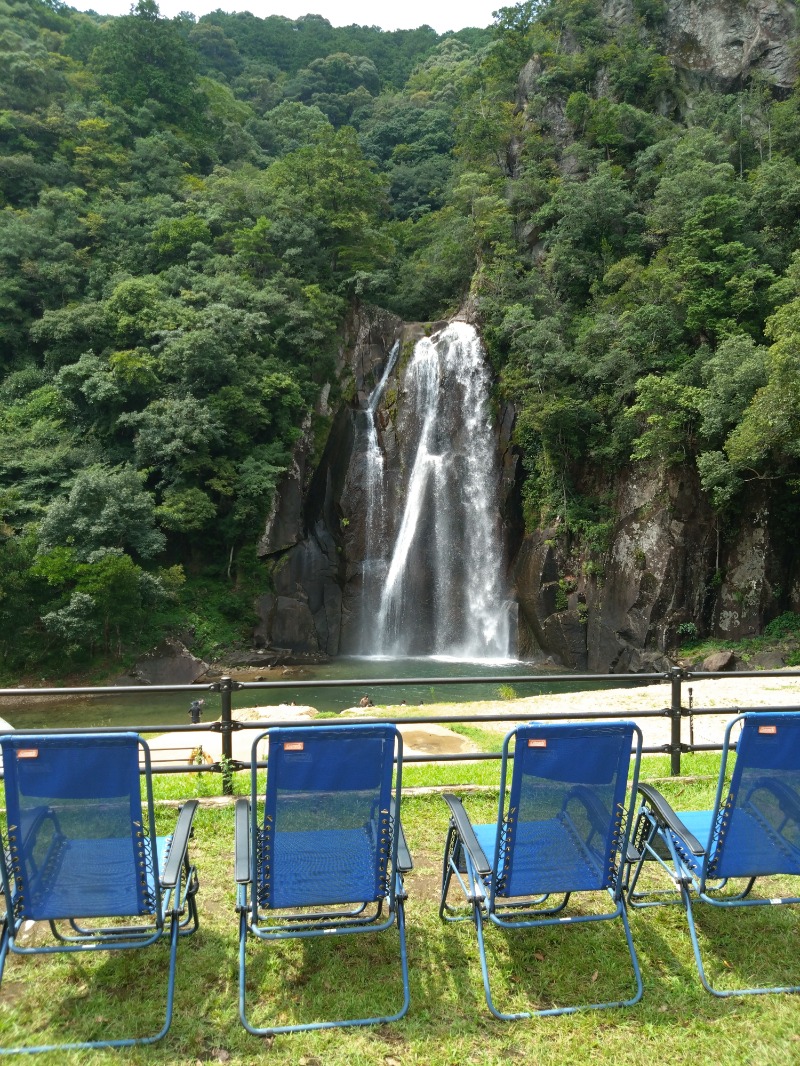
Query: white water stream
x,y
375,519
434,583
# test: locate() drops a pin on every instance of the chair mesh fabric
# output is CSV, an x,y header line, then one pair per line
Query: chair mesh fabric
x,y
565,814
758,829
75,832
327,832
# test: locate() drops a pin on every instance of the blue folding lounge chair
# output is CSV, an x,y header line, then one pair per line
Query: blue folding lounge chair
x,y
328,855
562,829
80,854
752,831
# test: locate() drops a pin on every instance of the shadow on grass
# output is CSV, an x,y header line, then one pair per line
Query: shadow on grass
x,y
110,995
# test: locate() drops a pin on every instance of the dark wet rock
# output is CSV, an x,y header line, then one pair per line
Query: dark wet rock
x,y
171,663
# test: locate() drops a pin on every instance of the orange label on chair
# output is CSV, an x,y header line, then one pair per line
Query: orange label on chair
x,y
535,742
771,729
28,753
293,745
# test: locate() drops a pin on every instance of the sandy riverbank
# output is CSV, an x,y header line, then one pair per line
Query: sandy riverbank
x,y
728,694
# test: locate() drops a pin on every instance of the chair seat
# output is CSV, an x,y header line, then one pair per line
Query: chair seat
x,y
322,867
548,857
751,849
92,879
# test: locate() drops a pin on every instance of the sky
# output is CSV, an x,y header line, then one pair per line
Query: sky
x,y
442,15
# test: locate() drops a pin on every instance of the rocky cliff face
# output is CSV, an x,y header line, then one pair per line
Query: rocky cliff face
x,y
620,609
724,41
313,541
728,41
621,606
666,574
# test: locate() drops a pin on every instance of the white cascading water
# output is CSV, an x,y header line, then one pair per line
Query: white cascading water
x,y
443,592
374,567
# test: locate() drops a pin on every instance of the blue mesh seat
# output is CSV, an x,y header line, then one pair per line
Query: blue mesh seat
x,y
752,831
324,854
80,849
562,828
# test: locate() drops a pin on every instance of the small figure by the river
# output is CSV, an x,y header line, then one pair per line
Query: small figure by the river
x,y
196,710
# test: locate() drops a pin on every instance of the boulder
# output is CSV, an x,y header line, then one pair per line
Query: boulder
x,y
719,660
171,663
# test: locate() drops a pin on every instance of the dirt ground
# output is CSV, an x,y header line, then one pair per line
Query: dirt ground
x,y
729,694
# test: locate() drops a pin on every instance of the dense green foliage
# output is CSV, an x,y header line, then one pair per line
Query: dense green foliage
x,y
186,214
188,210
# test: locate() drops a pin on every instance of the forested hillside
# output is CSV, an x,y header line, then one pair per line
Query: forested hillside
x,y
191,209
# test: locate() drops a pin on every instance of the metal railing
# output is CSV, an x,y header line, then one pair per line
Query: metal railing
x,y
676,711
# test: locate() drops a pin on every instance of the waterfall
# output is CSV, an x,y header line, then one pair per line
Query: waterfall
x,y
374,566
441,588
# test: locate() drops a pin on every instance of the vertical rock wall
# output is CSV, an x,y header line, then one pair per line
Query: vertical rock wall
x,y
624,606
312,543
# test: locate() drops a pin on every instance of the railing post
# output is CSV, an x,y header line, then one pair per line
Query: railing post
x,y
226,728
676,679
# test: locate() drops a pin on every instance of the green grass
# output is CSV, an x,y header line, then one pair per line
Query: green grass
x,y
44,998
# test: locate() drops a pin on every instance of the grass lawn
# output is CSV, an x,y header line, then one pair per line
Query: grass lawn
x,y
49,998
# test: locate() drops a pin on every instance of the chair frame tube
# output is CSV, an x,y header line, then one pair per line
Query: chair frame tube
x,y
178,884
298,925
479,888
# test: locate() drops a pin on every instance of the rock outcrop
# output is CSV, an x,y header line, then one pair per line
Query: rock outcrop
x,y
664,572
619,609
168,664
728,41
312,541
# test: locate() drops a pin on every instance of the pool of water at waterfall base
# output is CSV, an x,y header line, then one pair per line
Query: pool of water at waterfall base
x,y
145,710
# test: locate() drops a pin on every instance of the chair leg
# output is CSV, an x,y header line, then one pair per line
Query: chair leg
x,y
720,993
131,1041
553,1011
304,1027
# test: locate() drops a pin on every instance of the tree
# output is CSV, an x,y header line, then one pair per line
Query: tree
x,y
107,508
327,201
145,61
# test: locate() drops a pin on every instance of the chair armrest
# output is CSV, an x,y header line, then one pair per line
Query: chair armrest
x,y
179,846
666,818
241,863
467,834
404,860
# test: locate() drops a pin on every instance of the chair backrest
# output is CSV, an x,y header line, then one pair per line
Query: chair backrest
x,y
328,835
76,838
756,829
565,820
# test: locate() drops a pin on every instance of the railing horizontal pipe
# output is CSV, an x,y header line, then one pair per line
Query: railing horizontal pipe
x,y
227,724
428,682
107,690
703,675
734,709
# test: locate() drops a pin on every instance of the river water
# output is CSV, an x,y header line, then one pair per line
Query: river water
x,y
150,710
